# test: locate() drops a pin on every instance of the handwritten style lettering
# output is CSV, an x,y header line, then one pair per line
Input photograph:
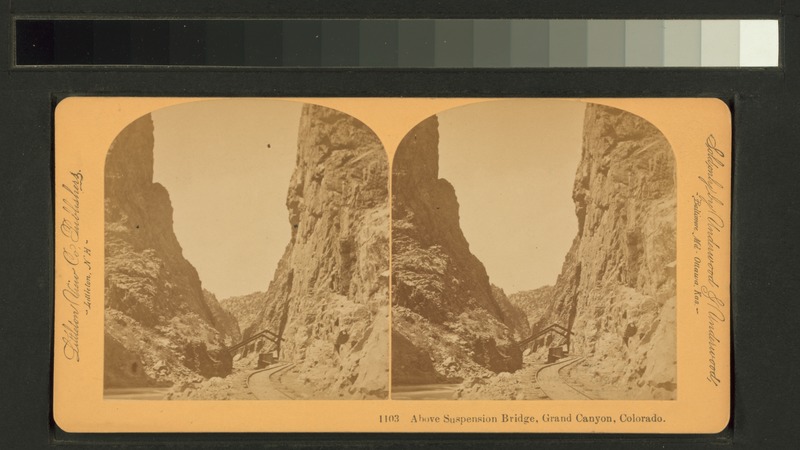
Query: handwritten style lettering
x,y
71,292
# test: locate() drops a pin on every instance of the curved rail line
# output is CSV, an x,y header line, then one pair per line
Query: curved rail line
x,y
277,382
274,382
554,387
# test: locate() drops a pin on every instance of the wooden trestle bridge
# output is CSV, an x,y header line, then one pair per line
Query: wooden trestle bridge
x,y
533,341
257,342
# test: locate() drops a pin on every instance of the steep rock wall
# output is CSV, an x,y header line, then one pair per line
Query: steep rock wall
x,y
444,308
225,321
154,304
329,294
536,304
245,309
515,317
617,285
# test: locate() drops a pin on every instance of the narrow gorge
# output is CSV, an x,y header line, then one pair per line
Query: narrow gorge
x,y
615,293
321,320
327,300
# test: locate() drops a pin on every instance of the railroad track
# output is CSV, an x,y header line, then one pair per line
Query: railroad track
x,y
553,385
265,384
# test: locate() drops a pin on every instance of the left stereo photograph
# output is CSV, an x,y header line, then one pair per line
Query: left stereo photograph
x,y
245,255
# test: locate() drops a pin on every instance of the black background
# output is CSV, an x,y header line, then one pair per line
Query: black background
x,y
766,207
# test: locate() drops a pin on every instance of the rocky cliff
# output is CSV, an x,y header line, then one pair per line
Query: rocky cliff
x,y
329,294
515,317
446,322
159,326
617,286
536,304
224,320
245,309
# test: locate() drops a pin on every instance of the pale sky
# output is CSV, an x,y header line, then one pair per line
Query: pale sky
x,y
227,165
513,164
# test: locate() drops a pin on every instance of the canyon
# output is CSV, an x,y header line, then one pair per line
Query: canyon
x,y
616,290
327,300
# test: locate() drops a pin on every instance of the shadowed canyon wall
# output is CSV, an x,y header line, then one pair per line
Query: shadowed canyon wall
x,y
159,325
447,322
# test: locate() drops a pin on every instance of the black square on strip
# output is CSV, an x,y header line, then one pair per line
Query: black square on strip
x,y
112,42
34,43
73,41
187,42
149,42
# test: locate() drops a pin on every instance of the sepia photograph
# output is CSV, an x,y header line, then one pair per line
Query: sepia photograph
x,y
526,265
246,255
534,255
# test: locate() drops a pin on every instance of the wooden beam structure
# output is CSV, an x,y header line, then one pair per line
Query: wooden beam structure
x,y
263,334
553,328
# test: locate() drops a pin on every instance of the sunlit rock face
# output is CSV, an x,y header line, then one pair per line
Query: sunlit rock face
x,y
245,309
329,297
617,287
536,304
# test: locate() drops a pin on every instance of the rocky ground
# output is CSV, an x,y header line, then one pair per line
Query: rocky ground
x,y
520,385
426,352
239,386
232,387
178,350
583,376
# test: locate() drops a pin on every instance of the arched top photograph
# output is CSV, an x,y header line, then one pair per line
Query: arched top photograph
x,y
534,237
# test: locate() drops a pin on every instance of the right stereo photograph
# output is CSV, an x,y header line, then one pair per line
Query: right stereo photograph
x,y
533,253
